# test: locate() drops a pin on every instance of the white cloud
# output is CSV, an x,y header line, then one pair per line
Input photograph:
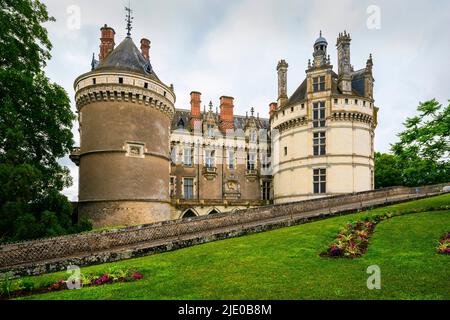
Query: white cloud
x,y
232,48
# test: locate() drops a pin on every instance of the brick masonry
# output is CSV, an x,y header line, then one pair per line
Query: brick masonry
x,y
55,254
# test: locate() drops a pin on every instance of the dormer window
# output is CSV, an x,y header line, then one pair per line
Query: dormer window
x,y
252,137
319,84
180,124
209,158
210,130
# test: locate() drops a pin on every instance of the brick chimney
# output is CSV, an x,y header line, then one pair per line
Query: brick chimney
x,y
195,107
145,48
272,107
106,41
226,113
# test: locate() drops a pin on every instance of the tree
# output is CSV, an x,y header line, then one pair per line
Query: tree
x,y
35,128
388,172
426,135
421,156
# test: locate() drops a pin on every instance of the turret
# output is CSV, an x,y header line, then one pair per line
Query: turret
x,y
282,82
344,66
368,78
320,52
125,112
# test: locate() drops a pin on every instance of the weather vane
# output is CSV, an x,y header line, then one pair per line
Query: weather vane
x,y
129,19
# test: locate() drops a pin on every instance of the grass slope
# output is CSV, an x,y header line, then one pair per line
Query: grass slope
x,y
284,264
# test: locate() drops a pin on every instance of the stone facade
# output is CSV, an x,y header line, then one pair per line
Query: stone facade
x,y
143,161
323,135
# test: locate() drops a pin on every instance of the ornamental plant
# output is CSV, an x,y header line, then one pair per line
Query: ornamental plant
x,y
444,244
113,275
352,240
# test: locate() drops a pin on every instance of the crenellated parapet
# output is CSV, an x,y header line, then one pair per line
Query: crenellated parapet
x,y
352,116
124,93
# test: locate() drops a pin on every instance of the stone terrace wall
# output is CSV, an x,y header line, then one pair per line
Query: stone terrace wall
x,y
94,242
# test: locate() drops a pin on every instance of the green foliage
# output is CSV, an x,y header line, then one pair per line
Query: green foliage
x,y
421,157
284,264
35,129
6,283
388,172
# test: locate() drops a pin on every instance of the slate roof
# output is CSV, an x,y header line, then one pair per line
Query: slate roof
x,y
126,56
357,87
182,116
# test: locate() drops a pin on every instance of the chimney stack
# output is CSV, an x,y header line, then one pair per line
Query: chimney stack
x,y
145,48
282,68
195,107
272,107
106,41
226,113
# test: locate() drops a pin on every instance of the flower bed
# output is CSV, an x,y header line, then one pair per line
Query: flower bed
x,y
9,290
444,244
352,240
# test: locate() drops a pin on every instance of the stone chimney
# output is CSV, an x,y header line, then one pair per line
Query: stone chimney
x,y
106,41
282,68
272,107
145,48
195,107
226,113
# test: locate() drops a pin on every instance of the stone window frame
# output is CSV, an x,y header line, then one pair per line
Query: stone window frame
x,y
188,163
252,164
320,180
183,188
266,190
131,145
210,158
252,135
319,143
319,84
319,119
231,156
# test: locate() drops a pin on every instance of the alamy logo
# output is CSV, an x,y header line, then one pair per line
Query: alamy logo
x,y
374,280
74,17
74,280
374,18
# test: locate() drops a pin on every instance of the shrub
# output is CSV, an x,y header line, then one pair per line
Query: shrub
x,y
444,244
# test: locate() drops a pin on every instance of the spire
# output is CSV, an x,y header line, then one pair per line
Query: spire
x,y
252,110
129,19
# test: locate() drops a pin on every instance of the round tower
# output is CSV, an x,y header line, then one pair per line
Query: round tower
x,y
124,115
323,137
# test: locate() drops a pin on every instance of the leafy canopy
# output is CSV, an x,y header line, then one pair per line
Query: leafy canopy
x,y
35,128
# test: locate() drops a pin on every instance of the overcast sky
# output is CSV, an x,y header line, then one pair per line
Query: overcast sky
x,y
232,47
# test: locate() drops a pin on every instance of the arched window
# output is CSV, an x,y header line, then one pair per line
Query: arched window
x,y
214,211
180,124
189,214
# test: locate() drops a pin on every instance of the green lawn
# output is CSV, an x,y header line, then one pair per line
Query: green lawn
x,y
284,264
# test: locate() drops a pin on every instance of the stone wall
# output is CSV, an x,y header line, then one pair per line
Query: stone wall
x,y
102,246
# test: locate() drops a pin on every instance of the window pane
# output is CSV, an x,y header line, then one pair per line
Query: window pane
x,y
316,188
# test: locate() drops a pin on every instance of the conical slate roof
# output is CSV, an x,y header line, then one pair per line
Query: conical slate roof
x,y
127,57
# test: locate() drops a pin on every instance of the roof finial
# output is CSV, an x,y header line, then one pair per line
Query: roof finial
x,y
252,110
210,106
321,33
129,19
